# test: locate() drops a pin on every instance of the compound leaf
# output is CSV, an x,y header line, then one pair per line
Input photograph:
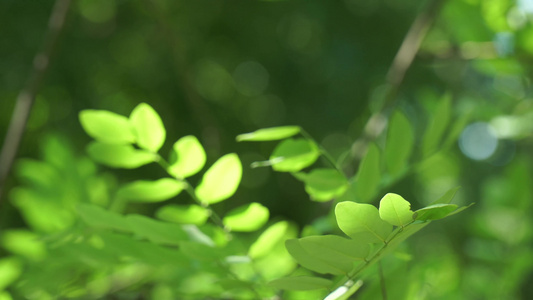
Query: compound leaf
x,y
187,157
106,126
249,217
361,222
151,191
221,180
394,209
148,127
119,156
269,134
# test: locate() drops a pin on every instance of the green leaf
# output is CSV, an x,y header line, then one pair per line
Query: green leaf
x,y
106,126
96,216
361,222
151,191
157,231
300,283
269,134
24,243
293,155
395,209
10,270
187,157
400,141
148,127
437,126
324,184
447,197
368,176
201,251
221,180
183,214
335,248
268,239
315,263
435,212
249,217
119,156
5,296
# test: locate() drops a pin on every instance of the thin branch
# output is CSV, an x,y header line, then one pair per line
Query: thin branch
x,y
26,97
401,63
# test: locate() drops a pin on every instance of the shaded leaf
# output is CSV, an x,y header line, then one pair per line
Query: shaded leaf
x,y
119,156
437,126
96,216
314,263
269,134
106,126
268,239
447,197
221,180
184,214
368,176
400,141
249,217
332,247
300,283
361,222
293,155
324,184
156,231
151,191
148,127
395,209
435,212
187,157
201,251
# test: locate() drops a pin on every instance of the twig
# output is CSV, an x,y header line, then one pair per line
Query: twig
x,y
27,95
401,63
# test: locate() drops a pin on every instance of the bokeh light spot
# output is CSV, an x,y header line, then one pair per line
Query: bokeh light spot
x,y
478,141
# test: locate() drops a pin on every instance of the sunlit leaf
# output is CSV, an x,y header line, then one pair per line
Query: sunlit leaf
x,y
99,217
119,156
293,155
315,263
437,125
24,243
447,197
435,212
300,283
368,176
151,191
187,157
249,217
10,270
333,247
148,127
395,209
221,180
106,126
361,222
324,184
183,214
156,231
400,141
269,134
5,296
268,239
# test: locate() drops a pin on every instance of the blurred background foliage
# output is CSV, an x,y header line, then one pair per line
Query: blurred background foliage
x,y
215,69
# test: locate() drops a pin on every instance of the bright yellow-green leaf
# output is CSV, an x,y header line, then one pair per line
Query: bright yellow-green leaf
x,y
119,156
183,214
300,283
147,127
10,270
221,180
293,155
268,239
400,141
5,296
151,191
106,126
249,217
361,222
269,134
394,209
369,175
24,243
187,157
